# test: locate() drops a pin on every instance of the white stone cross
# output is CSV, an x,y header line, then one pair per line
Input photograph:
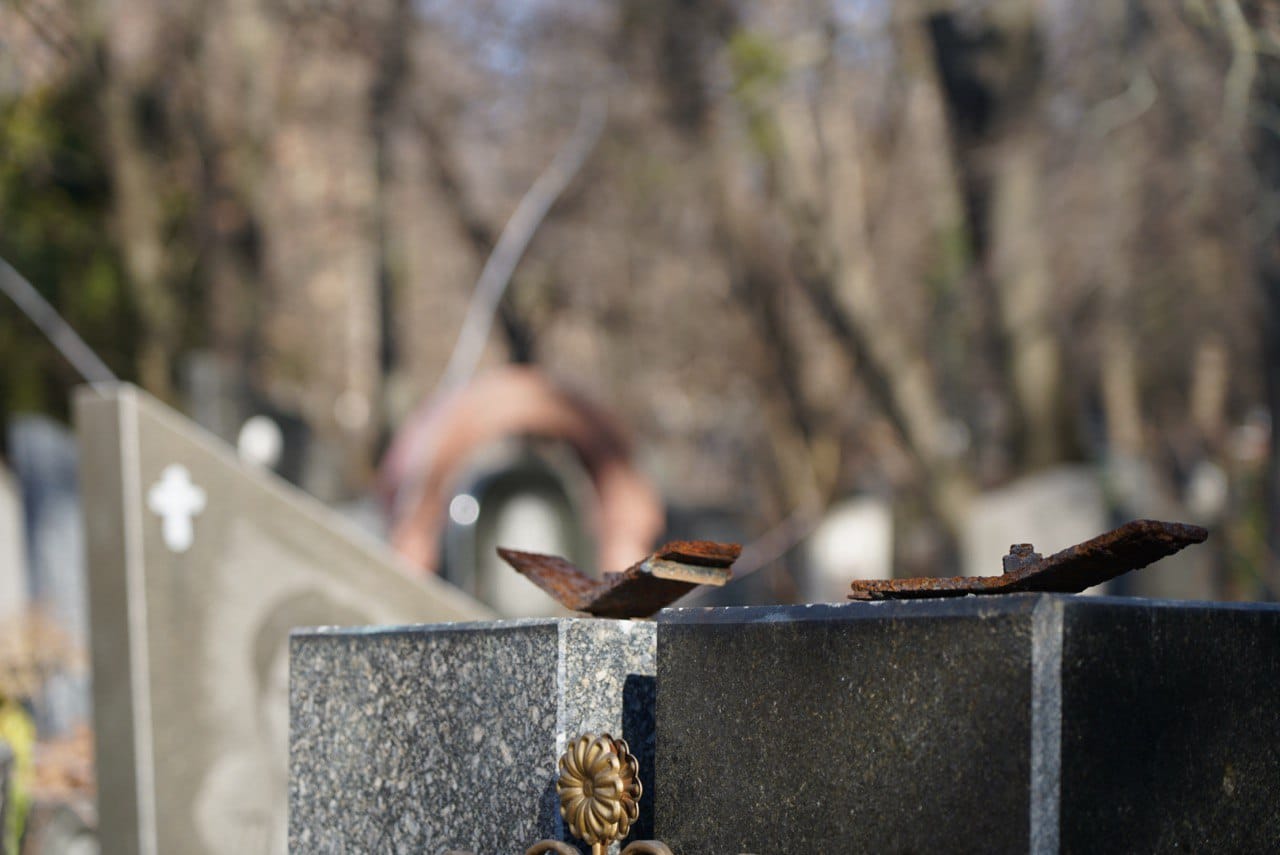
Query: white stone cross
x,y
177,501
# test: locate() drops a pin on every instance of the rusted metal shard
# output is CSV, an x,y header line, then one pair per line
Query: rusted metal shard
x,y
640,590
1132,546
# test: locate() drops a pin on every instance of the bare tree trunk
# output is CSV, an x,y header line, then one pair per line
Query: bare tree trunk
x,y
759,265
1270,282
1119,366
1025,289
139,221
825,155
322,254
903,364
1265,145
481,234
991,76
1207,399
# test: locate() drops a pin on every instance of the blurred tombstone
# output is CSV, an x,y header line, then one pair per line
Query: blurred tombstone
x,y
13,561
442,455
213,393
217,398
519,498
260,442
1051,510
1139,492
60,829
854,540
1208,492
202,565
6,785
44,458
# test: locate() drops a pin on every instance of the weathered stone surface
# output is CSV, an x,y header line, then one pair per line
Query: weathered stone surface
x,y
1170,728
1039,723
430,738
199,567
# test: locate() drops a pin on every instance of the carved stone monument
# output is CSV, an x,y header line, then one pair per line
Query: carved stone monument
x,y
198,568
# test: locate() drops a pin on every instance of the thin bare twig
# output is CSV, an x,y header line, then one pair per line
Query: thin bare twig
x,y
497,272
513,242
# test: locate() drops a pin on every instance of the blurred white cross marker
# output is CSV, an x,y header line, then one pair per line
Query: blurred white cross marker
x,y
176,501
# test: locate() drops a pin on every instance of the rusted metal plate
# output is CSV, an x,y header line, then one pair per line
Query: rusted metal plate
x,y
639,591
1130,547
704,553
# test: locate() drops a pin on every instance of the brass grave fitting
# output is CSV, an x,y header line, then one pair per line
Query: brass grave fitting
x,y
599,789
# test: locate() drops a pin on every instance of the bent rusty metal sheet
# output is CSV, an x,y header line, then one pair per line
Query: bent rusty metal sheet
x,y
640,590
1130,547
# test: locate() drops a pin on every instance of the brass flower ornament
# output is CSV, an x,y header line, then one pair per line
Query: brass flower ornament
x,y
599,789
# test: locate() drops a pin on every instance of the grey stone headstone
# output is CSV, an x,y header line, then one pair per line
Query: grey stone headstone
x,y
1028,723
6,790
1139,491
200,566
434,738
45,459
853,541
58,828
1051,510
13,559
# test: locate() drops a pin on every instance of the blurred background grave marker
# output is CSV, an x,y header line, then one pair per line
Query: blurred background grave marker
x,y
44,459
1052,510
13,559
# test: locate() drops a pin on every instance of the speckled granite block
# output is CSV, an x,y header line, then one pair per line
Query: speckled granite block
x,y
428,738
1029,723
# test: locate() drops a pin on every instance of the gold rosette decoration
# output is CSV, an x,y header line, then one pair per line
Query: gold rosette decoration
x,y
599,789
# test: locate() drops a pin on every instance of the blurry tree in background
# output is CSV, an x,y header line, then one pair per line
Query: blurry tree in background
x,y
913,248
55,202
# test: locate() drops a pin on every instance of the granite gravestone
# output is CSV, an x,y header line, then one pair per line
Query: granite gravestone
x,y
434,738
520,497
1024,723
200,566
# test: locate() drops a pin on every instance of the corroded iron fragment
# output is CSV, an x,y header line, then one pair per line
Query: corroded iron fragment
x,y
1132,546
639,591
